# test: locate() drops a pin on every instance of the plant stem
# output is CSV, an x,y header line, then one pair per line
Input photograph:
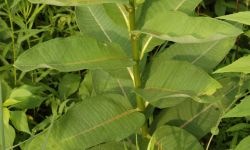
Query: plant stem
x,y
1,119
136,58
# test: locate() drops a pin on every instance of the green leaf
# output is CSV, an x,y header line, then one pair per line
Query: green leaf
x,y
240,65
240,110
103,82
161,6
173,138
182,28
25,97
6,90
94,121
6,116
19,121
240,17
220,7
76,2
244,144
177,75
9,132
149,43
151,8
5,32
10,102
114,146
106,22
86,86
192,116
171,79
42,125
205,55
72,54
165,98
238,127
69,85
100,82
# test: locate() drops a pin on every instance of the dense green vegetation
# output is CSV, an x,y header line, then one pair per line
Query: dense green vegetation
x,y
124,74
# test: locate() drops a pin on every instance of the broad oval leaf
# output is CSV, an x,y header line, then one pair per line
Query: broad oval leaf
x,y
107,22
19,121
192,116
240,65
182,28
25,97
173,138
72,54
205,55
240,17
176,79
178,75
244,144
76,2
94,121
150,8
240,110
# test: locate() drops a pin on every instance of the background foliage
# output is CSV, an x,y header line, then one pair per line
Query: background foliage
x,y
66,75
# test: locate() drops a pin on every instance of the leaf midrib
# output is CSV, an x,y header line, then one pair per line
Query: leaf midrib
x,y
100,25
78,62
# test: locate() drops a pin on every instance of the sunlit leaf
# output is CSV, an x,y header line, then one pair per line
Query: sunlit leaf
x,y
240,110
240,65
240,17
182,28
72,54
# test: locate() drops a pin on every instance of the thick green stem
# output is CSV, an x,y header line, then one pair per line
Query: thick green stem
x,y
136,58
